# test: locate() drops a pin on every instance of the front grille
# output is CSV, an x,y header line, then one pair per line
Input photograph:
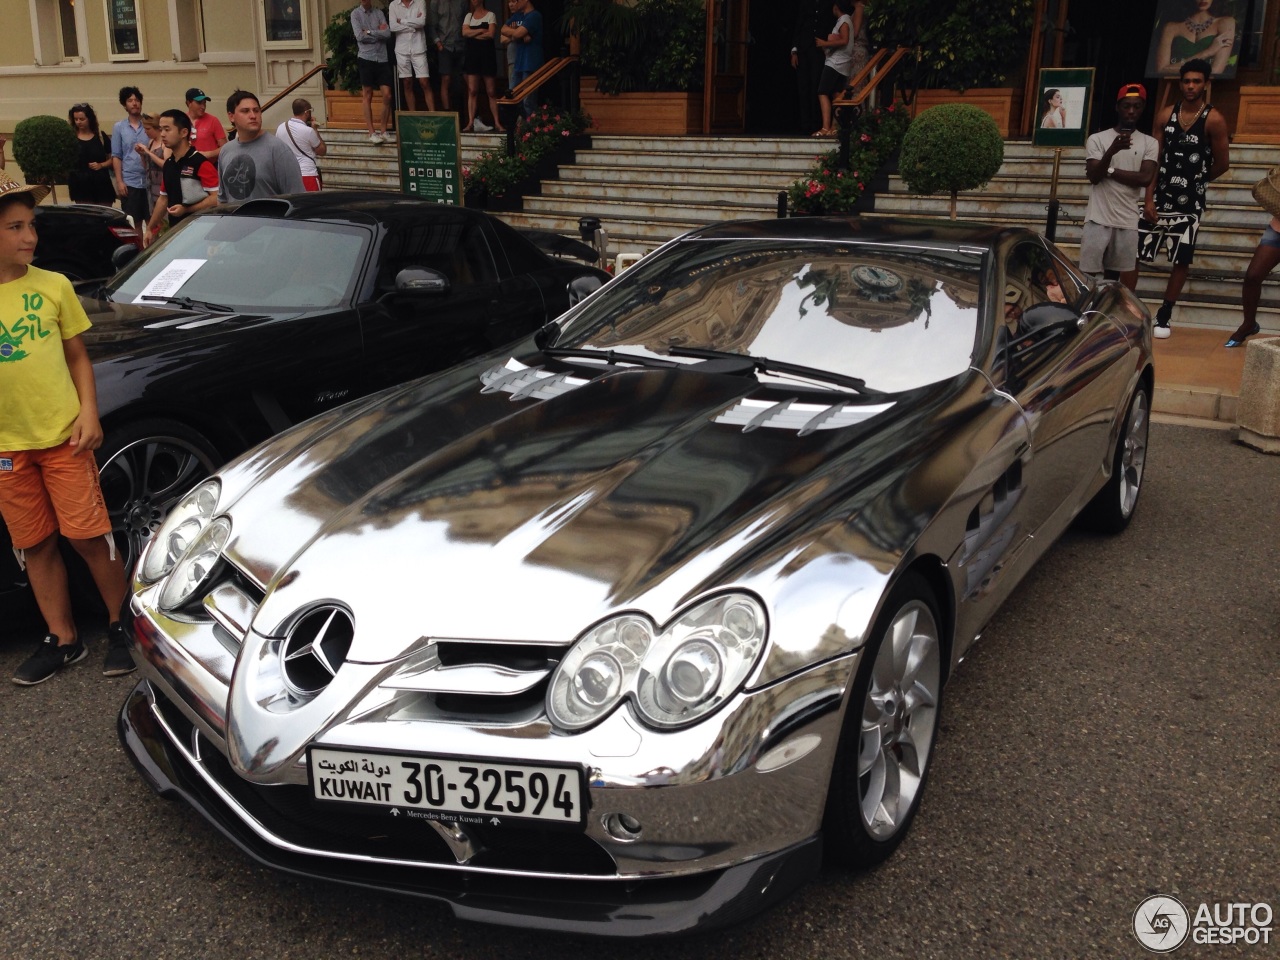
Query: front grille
x,y
289,812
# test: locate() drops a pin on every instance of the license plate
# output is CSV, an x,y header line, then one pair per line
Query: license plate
x,y
447,788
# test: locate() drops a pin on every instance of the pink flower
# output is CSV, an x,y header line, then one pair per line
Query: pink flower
x,y
564,133
865,138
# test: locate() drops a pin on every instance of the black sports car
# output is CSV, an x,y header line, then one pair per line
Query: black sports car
x,y
78,240
249,319
623,628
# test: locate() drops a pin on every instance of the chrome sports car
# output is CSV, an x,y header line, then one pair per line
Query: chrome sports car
x,y
618,629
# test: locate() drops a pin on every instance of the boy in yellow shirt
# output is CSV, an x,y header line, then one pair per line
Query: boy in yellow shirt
x,y
50,428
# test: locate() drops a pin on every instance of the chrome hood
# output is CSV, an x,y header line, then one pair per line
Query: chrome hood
x,y
513,515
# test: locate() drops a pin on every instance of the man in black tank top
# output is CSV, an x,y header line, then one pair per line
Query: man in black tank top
x,y
1192,137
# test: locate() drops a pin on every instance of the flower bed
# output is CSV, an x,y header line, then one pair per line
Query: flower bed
x,y
829,188
541,139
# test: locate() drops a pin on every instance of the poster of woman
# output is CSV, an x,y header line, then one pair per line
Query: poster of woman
x,y
1190,29
1064,107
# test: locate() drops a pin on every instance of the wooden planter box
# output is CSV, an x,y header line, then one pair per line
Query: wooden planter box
x,y
1258,119
655,114
343,111
1004,104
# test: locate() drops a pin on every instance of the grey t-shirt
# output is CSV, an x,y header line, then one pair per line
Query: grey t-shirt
x,y
262,167
1113,204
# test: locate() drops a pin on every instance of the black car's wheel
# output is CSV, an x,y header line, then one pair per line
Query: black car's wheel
x,y
145,467
889,729
1112,507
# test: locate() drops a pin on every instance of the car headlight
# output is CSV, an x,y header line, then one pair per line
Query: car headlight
x,y
194,567
180,529
675,675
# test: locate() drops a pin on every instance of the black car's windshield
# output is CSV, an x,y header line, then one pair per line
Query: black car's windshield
x,y
247,263
894,316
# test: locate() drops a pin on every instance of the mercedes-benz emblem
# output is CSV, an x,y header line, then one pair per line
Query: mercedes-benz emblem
x,y
315,648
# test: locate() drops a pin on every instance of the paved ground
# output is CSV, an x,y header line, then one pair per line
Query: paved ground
x,y
1114,735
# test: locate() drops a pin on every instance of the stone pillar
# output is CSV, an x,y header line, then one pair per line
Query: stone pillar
x,y
1258,413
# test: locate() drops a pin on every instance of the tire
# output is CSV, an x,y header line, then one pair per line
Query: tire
x,y
890,726
1112,507
144,467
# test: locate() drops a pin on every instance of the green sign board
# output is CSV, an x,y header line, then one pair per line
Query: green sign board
x,y
430,158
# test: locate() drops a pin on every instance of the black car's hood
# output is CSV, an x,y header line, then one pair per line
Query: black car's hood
x,y
491,505
120,329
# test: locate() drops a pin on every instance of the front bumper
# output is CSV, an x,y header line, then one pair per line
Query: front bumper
x,y
151,730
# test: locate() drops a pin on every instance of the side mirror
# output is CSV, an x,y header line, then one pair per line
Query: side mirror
x,y
421,281
582,287
122,255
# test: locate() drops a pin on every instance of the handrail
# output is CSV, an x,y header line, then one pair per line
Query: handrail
x,y
537,79
294,86
850,98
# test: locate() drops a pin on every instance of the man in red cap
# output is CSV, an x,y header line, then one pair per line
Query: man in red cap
x,y
1120,162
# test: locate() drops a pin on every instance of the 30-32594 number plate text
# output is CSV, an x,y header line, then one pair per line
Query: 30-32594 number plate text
x,y
448,787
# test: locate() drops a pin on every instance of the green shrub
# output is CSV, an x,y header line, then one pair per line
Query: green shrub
x,y
962,44
652,46
827,188
949,148
45,148
341,51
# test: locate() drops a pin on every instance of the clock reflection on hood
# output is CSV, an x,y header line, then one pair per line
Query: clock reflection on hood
x,y
876,283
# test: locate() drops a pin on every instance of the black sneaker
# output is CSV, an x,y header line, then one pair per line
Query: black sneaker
x,y
49,658
118,661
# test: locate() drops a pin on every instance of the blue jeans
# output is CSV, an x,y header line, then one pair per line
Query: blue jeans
x,y
529,103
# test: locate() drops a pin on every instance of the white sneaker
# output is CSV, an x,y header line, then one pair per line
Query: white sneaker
x,y
377,138
1163,331
480,126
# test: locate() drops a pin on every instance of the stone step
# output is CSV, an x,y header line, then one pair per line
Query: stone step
x,y
1240,152
713,146
673,160
666,193
994,206
690,176
1221,192
612,211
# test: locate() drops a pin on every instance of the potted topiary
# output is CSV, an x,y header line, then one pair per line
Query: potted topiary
x,y
46,150
949,148
642,64
342,99
964,53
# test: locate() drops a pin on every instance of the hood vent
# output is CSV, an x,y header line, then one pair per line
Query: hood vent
x,y
804,418
522,381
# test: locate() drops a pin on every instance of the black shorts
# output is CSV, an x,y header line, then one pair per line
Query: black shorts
x,y
374,73
831,82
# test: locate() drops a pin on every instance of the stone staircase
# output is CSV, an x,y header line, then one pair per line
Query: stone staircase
x,y
646,190
1232,225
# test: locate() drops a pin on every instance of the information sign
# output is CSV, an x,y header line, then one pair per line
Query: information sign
x,y
430,159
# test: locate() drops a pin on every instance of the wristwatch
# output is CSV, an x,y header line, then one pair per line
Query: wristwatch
x,y
1111,171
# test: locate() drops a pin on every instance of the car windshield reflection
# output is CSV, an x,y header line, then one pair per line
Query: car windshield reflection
x,y
247,263
857,310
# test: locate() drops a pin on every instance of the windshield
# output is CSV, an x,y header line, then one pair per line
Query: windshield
x,y
897,317
248,263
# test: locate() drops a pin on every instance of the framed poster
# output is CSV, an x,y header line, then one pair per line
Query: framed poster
x,y
1062,117
284,24
124,30
1196,29
430,158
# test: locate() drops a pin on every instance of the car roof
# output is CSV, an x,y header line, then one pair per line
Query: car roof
x,y
954,234
363,206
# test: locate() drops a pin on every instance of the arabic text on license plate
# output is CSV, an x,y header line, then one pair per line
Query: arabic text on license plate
x,y
467,790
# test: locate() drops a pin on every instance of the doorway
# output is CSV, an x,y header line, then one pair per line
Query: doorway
x,y
772,108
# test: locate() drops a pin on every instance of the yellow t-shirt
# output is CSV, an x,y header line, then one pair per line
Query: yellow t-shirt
x,y
38,400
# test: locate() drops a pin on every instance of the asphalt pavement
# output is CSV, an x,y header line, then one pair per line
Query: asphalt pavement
x,y
1114,735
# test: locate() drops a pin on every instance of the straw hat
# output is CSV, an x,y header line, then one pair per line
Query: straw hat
x,y
8,186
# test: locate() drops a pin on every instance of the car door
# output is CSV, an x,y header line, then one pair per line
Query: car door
x,y
412,332
1063,364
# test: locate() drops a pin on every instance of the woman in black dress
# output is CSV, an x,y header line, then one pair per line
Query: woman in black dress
x,y
480,60
90,179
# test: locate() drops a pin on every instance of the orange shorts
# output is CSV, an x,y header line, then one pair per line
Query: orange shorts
x,y
43,492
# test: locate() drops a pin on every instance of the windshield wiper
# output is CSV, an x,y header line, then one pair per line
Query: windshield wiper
x,y
188,304
765,365
611,357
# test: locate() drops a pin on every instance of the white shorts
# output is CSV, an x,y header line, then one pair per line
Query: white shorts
x,y
412,64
